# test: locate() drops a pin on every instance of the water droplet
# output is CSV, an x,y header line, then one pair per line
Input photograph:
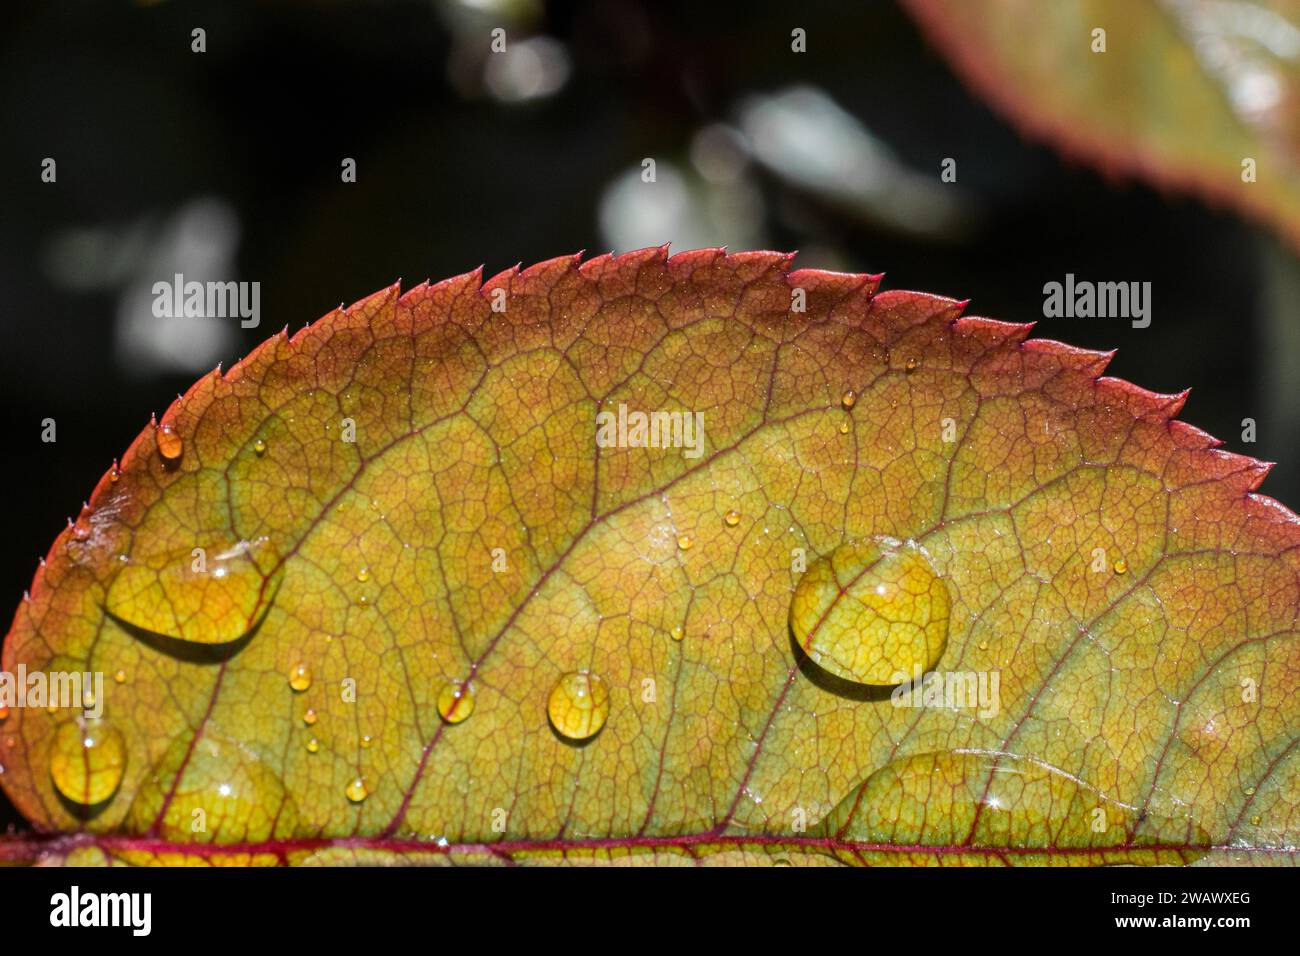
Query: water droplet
x,y
732,518
214,593
981,800
844,428
363,601
849,399
4,713
684,541
873,611
309,718
984,645
1256,821
678,633
1121,567
356,790
365,741
87,760
312,746
120,677
114,474
578,705
1250,791
300,677
363,575
455,702
259,447
170,443
242,799
911,365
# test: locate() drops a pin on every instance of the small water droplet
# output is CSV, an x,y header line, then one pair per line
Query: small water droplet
x,y
363,575
684,541
365,741
170,443
300,677
87,760
578,705
1256,821
309,717
1121,567
363,601
678,633
259,447
312,746
849,399
357,791
120,677
911,365
984,645
873,611
732,518
1250,791
114,474
844,428
455,702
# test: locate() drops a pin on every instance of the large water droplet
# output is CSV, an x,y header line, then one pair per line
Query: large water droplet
x,y
455,702
578,705
87,760
200,595
873,612
225,794
980,800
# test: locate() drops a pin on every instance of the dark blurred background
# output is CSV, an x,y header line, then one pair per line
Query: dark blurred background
x,y
226,165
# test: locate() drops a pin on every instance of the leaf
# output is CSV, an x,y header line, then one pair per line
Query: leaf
x,y
479,632
1183,95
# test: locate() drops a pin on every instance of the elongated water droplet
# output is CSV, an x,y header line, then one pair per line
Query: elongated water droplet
x,y
873,612
455,702
356,790
259,448
170,443
300,677
87,760
204,594
980,800
849,399
363,575
578,705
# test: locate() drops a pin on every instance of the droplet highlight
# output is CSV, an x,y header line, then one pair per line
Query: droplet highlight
x,y
579,705
873,611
